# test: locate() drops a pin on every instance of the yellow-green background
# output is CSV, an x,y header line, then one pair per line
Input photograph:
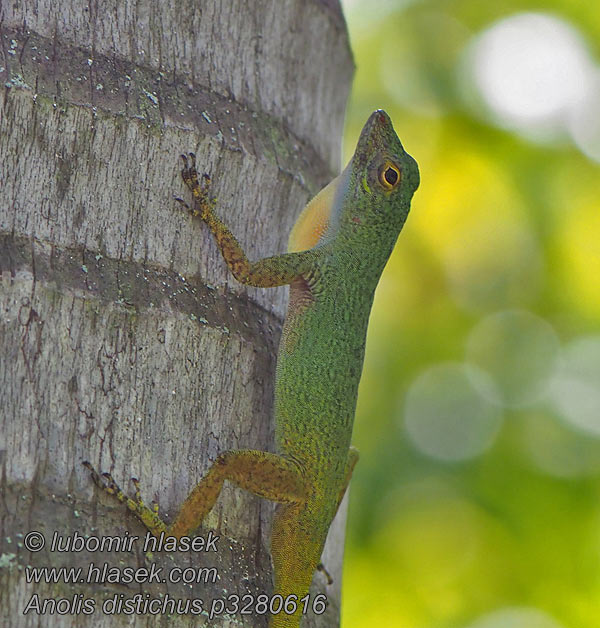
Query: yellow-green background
x,y
500,223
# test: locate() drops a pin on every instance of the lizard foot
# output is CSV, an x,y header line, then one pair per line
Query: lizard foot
x,y
203,204
321,568
147,515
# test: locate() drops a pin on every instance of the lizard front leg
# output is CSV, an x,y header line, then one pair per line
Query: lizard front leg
x,y
269,272
265,474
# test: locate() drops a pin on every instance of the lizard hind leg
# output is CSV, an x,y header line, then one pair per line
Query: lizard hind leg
x,y
265,474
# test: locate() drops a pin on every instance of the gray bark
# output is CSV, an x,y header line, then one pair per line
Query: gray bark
x,y
123,338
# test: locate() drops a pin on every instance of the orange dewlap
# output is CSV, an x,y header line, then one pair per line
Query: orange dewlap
x,y
314,220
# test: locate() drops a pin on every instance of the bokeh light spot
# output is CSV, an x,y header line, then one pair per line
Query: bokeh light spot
x,y
584,119
575,390
530,69
518,350
446,417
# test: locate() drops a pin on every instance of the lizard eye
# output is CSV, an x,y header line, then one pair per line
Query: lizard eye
x,y
389,176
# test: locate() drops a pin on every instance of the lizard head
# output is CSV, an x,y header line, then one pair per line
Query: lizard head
x,y
374,190
382,177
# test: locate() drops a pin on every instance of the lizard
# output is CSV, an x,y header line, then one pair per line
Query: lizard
x,y
337,251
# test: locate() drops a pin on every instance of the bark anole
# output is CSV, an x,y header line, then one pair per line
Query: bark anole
x,y
337,251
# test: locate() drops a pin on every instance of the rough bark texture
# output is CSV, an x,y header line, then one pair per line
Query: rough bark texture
x,y
123,339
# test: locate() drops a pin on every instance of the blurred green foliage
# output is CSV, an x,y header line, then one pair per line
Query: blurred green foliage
x,y
496,275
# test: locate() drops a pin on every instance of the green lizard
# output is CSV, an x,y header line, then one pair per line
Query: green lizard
x,y
337,251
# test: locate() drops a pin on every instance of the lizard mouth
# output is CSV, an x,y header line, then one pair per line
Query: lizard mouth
x,y
376,128
378,117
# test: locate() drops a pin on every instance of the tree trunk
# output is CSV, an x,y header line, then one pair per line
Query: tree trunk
x,y
123,338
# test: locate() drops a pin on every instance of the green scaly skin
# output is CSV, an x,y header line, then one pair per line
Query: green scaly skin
x,y
319,363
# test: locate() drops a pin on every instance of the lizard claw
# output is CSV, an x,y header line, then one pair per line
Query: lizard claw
x,y
321,568
148,516
190,210
95,477
202,202
189,174
106,482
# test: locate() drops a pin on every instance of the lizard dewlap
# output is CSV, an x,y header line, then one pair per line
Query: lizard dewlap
x,y
337,251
